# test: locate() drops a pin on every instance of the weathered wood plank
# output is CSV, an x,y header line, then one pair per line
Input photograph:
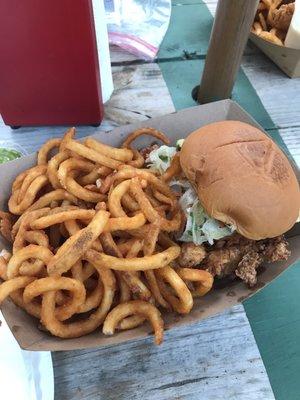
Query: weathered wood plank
x,y
119,56
138,88
291,137
217,359
279,94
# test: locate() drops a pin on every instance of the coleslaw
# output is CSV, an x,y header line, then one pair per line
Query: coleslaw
x,y
199,227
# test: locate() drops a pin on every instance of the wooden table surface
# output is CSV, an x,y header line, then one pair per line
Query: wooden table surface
x,y
214,359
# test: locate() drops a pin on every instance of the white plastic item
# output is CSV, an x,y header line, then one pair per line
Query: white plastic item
x,y
292,39
138,26
24,375
107,86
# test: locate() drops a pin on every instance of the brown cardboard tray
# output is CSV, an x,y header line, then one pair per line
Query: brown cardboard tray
x,y
177,125
287,59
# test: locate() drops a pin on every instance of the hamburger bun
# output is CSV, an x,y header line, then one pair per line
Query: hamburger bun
x,y
242,178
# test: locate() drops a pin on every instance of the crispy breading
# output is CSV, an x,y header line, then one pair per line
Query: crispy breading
x,y
242,257
281,18
147,150
223,262
246,269
276,249
191,255
233,240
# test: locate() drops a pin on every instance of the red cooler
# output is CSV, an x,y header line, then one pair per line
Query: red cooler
x,y
49,70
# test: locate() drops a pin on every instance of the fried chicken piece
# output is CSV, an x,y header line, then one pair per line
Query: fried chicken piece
x,y
276,249
281,18
147,150
235,255
233,240
223,262
191,255
247,267
242,257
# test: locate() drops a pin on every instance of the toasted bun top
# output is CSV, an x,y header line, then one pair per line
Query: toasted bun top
x,y
242,178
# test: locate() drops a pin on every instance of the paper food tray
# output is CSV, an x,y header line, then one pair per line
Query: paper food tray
x,y
287,59
177,125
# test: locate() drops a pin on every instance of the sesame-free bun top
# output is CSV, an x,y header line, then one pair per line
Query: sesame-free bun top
x,y
242,178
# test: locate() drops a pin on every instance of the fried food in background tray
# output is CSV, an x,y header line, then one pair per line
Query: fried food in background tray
x,y
273,19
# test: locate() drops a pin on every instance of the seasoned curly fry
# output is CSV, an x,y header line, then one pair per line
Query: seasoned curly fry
x,y
12,285
40,286
173,170
183,302
92,154
271,37
76,246
24,226
134,282
150,213
55,195
70,184
155,261
93,298
149,246
39,170
69,134
204,280
145,131
135,307
117,154
83,327
60,217
52,169
30,251
90,242
36,185
125,223
45,150
138,160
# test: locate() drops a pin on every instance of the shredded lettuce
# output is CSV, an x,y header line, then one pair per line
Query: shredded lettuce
x,y
160,159
182,183
213,231
179,144
200,227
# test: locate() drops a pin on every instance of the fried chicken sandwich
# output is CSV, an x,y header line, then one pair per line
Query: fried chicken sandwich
x,y
240,196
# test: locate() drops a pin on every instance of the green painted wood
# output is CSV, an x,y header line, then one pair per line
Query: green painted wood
x,y
188,33
186,2
273,312
275,321
243,92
